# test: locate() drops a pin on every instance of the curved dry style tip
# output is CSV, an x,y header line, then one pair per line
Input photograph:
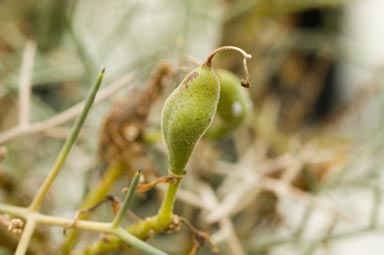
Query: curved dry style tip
x,y
208,62
244,82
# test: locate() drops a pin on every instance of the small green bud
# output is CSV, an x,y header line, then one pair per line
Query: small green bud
x,y
187,114
233,107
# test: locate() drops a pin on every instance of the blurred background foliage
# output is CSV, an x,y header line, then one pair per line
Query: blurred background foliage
x,y
303,175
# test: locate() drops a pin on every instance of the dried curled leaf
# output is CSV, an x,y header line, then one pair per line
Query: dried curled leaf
x,y
121,137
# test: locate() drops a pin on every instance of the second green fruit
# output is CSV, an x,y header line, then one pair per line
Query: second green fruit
x,y
233,106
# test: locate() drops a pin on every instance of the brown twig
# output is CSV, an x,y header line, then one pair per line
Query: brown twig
x,y
25,82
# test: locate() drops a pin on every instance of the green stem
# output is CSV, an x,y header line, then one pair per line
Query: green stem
x,y
137,243
13,210
143,229
127,200
33,218
26,237
38,199
166,210
101,189
112,174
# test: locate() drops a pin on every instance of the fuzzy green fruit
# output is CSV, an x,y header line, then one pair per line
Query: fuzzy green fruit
x,y
187,114
234,105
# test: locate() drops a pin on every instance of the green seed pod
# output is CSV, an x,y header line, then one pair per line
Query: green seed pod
x,y
189,110
187,114
233,107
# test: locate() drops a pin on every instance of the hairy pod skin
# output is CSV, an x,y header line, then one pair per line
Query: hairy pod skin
x,y
187,113
233,107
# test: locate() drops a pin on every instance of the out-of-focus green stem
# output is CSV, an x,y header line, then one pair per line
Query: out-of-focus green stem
x,y
112,174
38,199
26,236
